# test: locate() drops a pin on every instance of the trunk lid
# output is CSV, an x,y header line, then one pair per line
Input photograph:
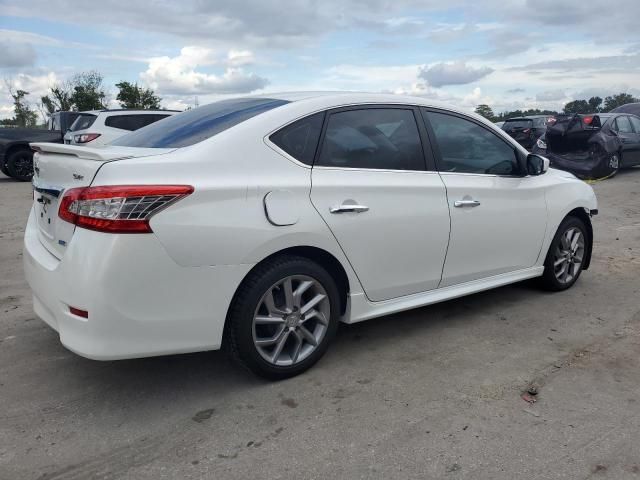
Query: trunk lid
x,y
572,134
59,167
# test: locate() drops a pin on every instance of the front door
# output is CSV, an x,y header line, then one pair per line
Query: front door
x,y
386,210
498,217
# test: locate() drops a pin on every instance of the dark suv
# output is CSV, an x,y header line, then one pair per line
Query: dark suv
x,y
526,130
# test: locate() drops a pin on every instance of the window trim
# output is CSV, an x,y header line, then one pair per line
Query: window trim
x,y
427,158
520,161
269,143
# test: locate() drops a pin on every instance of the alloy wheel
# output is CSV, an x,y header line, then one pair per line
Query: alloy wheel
x,y
291,320
569,255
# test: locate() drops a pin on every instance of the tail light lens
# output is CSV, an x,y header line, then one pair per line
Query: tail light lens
x,y
526,130
119,208
85,137
587,120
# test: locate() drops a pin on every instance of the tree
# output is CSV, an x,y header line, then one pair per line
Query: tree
x,y
614,101
24,115
132,96
88,92
577,106
60,99
485,111
595,103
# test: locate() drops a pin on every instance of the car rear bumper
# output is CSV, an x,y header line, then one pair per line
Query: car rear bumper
x,y
140,302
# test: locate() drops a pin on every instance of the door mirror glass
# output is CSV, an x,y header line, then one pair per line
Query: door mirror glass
x,y
537,164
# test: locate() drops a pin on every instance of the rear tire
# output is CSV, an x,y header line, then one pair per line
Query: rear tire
x,y
566,255
614,162
283,317
20,165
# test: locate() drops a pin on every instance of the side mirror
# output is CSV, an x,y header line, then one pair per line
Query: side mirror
x,y
537,164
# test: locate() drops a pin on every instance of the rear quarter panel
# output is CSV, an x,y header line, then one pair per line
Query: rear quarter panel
x,y
224,221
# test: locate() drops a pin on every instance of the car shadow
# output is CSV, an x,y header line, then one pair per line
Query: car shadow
x,y
213,374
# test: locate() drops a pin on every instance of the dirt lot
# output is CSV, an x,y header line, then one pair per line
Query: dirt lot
x,y
431,393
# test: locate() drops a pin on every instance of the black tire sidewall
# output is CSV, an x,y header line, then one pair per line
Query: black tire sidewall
x,y
549,279
11,164
245,303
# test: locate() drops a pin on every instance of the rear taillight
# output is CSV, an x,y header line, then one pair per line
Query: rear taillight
x,y
587,120
85,137
118,208
526,130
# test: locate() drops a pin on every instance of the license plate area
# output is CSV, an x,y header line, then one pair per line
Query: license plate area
x,y
46,209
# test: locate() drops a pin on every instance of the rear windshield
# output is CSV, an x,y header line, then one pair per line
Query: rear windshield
x,y
196,125
82,122
511,124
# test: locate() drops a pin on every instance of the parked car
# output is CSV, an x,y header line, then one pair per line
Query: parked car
x,y
632,108
100,127
16,157
592,146
259,223
526,130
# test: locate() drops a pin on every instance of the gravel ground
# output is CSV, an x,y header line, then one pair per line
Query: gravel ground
x,y
430,393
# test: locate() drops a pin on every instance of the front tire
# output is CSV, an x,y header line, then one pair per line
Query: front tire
x,y
566,256
283,317
20,165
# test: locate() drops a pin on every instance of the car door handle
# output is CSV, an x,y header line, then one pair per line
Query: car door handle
x,y
349,208
466,203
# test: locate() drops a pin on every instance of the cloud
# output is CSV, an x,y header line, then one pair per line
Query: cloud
x,y
624,63
16,55
551,95
453,73
516,90
179,75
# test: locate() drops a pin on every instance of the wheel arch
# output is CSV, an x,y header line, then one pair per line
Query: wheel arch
x,y
14,147
585,217
323,258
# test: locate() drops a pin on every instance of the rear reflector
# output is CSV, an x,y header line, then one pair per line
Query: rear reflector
x,y
118,208
78,313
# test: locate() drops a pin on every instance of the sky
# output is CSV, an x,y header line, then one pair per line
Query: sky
x,y
509,54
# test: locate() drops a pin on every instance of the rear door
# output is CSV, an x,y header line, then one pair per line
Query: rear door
x,y
498,217
385,206
629,139
635,123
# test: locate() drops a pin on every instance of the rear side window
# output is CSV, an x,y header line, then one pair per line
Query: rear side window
x,y
131,122
196,125
635,121
380,138
300,139
539,122
466,147
82,122
623,125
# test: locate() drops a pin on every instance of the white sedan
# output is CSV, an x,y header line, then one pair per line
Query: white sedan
x,y
260,223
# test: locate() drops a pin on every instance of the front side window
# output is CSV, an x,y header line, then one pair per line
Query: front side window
x,y
300,139
466,147
380,138
193,126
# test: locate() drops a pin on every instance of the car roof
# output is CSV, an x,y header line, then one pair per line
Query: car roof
x,y
328,99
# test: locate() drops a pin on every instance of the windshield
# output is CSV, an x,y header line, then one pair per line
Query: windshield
x,y
513,124
83,122
196,125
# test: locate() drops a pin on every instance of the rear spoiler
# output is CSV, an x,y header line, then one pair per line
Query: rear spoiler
x,y
99,154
